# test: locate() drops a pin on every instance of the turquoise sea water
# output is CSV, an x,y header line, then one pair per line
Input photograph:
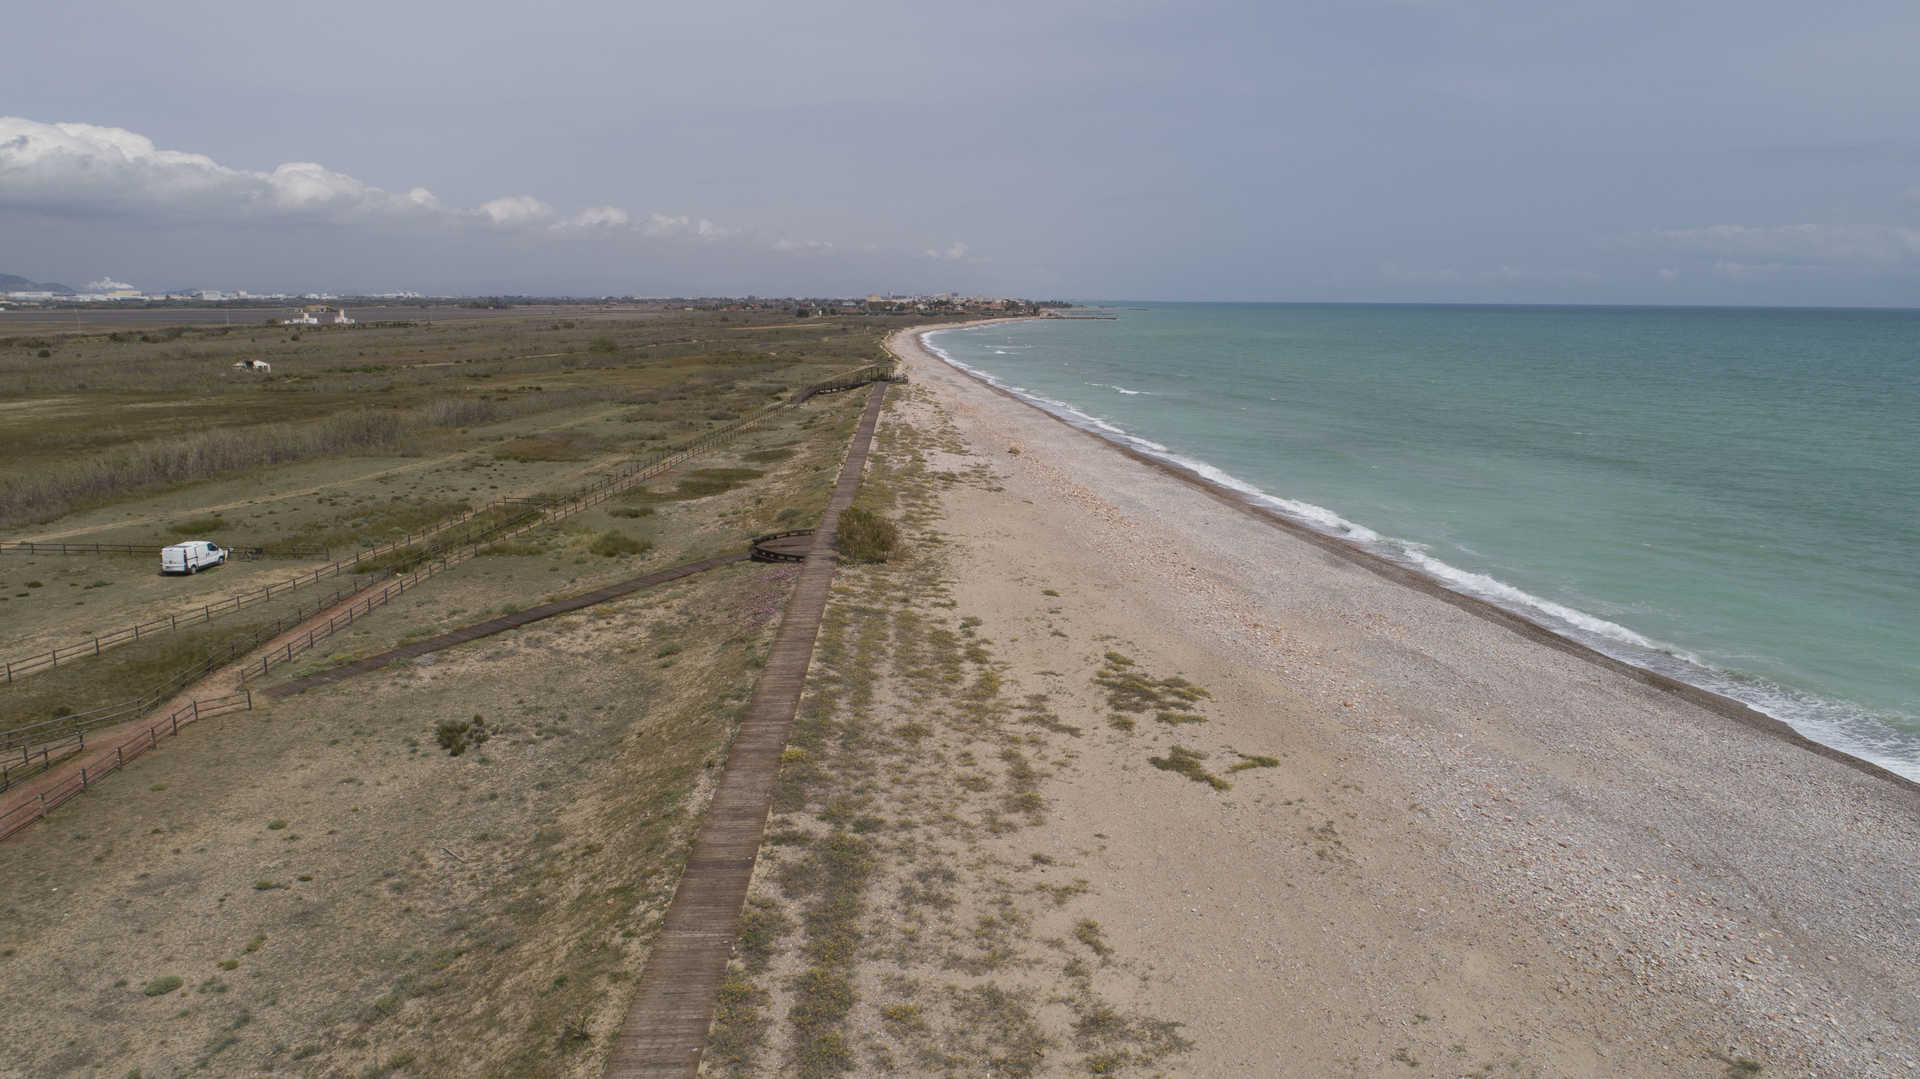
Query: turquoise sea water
x,y
1731,496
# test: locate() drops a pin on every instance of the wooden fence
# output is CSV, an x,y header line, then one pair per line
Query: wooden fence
x,y
513,509
581,500
60,727
20,816
245,553
878,372
518,510
53,746
38,759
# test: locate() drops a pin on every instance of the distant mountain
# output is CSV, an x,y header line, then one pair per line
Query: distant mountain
x,y
11,283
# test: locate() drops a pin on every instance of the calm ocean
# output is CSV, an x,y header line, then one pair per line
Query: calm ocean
x,y
1729,496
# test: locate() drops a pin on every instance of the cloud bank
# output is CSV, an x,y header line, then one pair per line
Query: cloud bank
x,y
86,170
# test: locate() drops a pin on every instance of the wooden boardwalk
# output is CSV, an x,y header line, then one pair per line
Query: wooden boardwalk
x,y
666,1028
505,622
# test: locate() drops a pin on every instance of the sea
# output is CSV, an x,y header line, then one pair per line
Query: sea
x,y
1730,496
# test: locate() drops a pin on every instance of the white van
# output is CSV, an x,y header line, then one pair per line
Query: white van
x,y
190,557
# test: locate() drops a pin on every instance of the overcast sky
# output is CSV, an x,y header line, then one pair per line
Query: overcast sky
x,y
1722,151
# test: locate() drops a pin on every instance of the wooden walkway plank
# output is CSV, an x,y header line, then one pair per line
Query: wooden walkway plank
x,y
666,1027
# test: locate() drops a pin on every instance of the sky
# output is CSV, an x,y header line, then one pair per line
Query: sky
x,y
1713,152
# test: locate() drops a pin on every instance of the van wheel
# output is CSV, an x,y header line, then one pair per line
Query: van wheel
x,y
191,570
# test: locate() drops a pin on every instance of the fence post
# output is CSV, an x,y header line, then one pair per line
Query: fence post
x,y
249,700
83,780
196,709
175,718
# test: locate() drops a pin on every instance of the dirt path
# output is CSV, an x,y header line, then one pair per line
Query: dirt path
x,y
219,683
505,622
666,1028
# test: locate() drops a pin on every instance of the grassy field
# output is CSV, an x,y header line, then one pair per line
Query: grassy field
x,y
93,417
320,887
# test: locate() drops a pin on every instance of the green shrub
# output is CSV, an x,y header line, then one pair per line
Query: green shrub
x,y
199,526
614,543
865,536
160,987
455,735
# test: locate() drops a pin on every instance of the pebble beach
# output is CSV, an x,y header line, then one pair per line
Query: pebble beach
x,y
1485,851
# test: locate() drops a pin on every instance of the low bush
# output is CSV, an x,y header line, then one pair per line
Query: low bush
x,y
865,536
614,543
160,987
455,735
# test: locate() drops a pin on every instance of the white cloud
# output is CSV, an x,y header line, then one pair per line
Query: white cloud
x,y
599,217
93,173
89,170
515,210
85,168
1668,274
106,284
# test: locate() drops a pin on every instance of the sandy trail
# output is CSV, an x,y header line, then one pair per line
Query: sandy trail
x,y
1481,854
218,683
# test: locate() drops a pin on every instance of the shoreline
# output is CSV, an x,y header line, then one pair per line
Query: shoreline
x,y
1381,566
1470,840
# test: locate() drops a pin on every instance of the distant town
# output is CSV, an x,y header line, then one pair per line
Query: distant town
x,y
23,293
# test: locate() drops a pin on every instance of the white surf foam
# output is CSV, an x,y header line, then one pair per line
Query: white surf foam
x,y
1829,722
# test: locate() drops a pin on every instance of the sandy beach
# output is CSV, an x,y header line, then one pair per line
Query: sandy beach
x,y
1479,853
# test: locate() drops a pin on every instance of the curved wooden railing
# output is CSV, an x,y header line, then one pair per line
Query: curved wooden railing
x,y
760,551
